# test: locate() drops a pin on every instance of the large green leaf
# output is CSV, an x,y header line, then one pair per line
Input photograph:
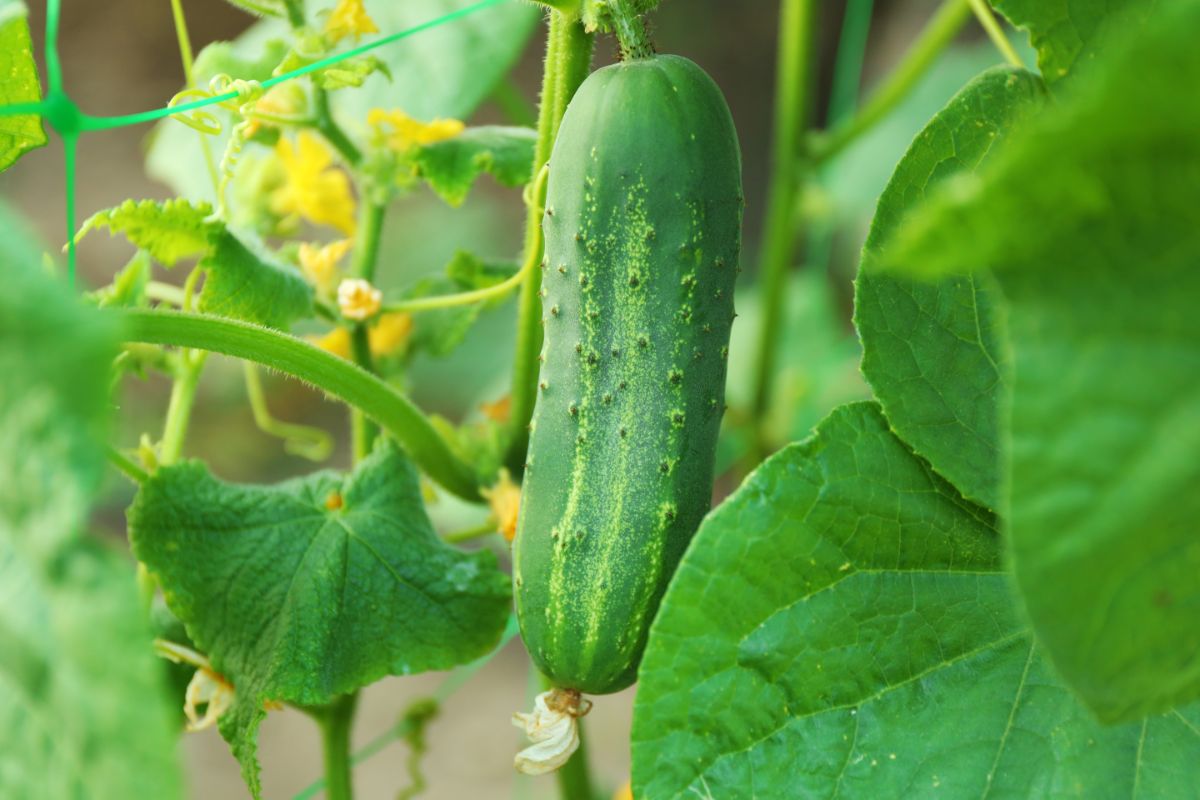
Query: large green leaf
x,y
18,84
83,709
443,72
452,166
245,280
313,588
1069,34
842,626
934,352
1089,220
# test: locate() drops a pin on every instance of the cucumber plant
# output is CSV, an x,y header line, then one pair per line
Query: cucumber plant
x,y
975,576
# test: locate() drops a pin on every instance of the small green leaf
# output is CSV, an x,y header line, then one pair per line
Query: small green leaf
x,y
452,166
441,331
842,627
128,288
1088,220
245,280
83,711
934,352
312,588
18,84
169,231
1069,35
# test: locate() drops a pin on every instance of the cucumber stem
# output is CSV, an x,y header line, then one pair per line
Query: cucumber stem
x,y
630,29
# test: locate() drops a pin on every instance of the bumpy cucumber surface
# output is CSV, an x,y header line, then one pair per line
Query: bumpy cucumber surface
x,y
643,235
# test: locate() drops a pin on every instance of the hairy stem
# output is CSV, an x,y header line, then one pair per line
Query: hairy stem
x,y
336,722
327,372
793,101
568,59
939,33
630,29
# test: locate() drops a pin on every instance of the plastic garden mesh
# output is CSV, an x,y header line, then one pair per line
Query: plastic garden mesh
x,y
61,113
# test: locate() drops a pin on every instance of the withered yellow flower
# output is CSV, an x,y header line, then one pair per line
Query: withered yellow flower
x,y
314,188
349,18
358,299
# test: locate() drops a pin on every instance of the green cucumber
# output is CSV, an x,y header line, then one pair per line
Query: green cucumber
x,y
643,235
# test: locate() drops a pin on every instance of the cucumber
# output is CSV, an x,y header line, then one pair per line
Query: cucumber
x,y
643,235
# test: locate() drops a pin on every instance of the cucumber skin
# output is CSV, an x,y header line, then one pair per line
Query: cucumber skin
x,y
643,236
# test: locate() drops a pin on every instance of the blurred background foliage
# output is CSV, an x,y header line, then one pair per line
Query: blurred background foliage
x,y
121,56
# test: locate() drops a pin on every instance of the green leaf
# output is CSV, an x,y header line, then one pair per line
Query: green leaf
x,y
452,166
18,84
169,231
128,288
1070,35
83,711
312,588
934,352
842,626
245,280
1105,408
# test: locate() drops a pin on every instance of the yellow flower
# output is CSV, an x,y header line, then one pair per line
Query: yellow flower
x,y
401,132
358,299
349,18
314,188
337,341
319,263
390,333
624,793
505,500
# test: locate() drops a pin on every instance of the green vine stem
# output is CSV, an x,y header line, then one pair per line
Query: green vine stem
x,y
333,132
333,375
366,257
336,721
793,101
305,441
568,59
987,19
630,29
937,35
